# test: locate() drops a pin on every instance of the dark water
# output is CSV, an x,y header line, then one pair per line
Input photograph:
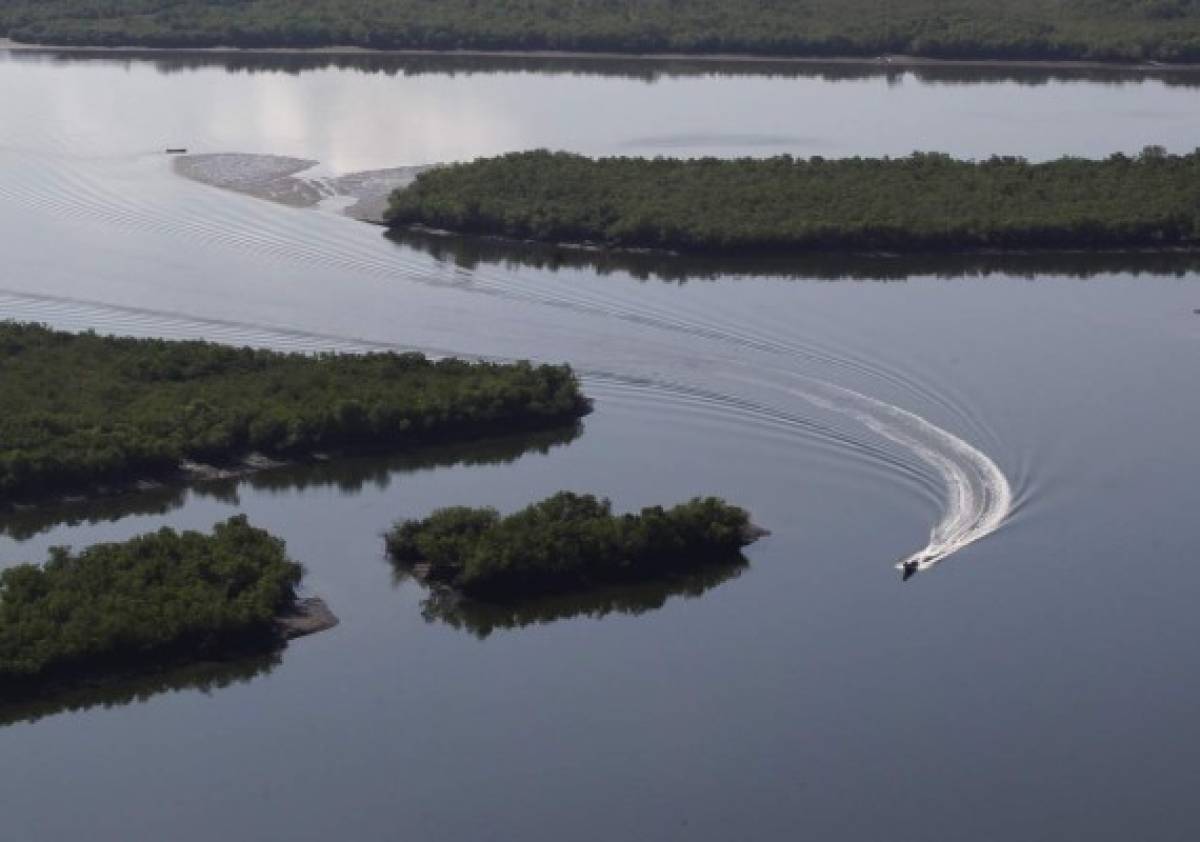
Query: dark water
x,y
1037,684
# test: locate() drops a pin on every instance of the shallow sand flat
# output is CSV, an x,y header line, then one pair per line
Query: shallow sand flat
x,y
278,178
264,176
371,189
310,616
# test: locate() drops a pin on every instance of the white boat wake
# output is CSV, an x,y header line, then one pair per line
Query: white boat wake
x,y
979,496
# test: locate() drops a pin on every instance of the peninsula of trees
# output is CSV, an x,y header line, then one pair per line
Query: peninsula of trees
x,y
85,410
1105,30
565,543
922,203
160,599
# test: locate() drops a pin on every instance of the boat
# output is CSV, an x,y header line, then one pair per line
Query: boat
x,y
179,151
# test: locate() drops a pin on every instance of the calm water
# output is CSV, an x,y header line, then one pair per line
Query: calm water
x,y
1038,684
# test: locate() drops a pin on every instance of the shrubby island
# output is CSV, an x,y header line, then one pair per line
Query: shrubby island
x,y
1105,30
922,203
83,410
157,600
566,543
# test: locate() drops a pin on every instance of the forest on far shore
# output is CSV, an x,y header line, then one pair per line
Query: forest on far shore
x,y
926,202
1101,30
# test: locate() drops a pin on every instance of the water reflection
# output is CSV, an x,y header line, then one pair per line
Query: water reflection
x,y
647,69
204,677
481,619
350,475
471,252
25,523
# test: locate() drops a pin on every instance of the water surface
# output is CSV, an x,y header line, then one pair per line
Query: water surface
x,y
1038,684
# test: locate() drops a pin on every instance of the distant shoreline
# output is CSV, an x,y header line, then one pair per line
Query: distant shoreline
x,y
899,62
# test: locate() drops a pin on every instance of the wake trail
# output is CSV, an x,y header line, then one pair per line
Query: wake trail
x,y
979,497
975,495
239,227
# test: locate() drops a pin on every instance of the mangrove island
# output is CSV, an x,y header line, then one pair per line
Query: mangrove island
x,y
566,543
83,410
922,203
155,601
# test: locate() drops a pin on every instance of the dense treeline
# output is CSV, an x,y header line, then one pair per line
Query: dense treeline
x,y
81,410
567,542
158,598
925,202
1129,30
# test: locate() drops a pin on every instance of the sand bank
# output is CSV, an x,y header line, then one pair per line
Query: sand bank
x,y
281,179
310,616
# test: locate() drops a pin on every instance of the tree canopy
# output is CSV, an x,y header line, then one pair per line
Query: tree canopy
x,y
159,597
82,409
923,203
567,542
1123,30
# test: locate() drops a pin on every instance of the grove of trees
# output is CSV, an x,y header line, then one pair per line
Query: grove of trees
x,y
567,542
159,598
1121,30
922,203
82,409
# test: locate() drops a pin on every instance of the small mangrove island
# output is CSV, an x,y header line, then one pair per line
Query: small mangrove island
x,y
1104,30
566,543
83,410
158,600
922,203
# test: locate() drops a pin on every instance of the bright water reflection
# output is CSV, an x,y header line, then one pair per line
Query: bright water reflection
x,y
421,111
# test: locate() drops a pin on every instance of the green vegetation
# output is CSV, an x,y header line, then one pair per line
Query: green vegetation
x,y
159,598
926,202
568,542
1127,30
82,410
